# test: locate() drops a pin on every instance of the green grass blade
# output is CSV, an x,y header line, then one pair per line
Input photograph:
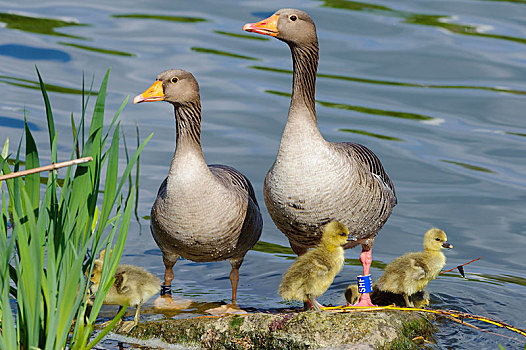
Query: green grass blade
x,y
32,182
49,112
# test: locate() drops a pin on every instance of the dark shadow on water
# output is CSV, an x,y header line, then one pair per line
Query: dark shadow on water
x,y
38,25
394,83
182,19
222,53
361,109
17,123
32,53
98,50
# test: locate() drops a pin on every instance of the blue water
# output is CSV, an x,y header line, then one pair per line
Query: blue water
x,y
436,89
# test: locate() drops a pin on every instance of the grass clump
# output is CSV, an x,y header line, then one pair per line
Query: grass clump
x,y
50,234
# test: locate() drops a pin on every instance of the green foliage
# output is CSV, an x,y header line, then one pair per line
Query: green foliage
x,y
49,237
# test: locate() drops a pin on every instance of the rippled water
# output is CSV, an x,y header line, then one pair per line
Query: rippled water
x,y
436,89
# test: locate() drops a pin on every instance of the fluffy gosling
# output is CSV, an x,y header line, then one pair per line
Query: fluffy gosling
x,y
133,285
313,272
412,272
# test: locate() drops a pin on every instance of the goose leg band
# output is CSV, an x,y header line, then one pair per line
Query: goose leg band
x,y
166,290
365,284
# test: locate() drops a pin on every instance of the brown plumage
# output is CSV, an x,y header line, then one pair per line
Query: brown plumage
x,y
412,272
312,274
133,286
313,180
202,212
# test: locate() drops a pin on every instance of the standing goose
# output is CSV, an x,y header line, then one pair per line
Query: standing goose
x,y
313,180
202,212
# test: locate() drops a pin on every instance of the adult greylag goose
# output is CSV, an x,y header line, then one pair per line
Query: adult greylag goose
x,y
312,180
202,212
412,272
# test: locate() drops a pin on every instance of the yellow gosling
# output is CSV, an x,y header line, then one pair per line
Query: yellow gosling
x,y
313,272
133,286
412,272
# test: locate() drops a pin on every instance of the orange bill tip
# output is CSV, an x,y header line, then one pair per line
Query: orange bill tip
x,y
152,94
267,26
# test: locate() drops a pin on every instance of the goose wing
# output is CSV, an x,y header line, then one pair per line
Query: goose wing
x,y
371,164
234,179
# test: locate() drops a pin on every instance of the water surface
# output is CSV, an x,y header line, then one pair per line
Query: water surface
x,y
436,89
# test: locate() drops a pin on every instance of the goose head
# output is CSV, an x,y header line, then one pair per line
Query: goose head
x,y
289,25
175,86
436,239
335,234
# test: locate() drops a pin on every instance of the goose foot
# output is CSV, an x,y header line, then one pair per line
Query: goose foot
x,y
166,302
365,300
228,309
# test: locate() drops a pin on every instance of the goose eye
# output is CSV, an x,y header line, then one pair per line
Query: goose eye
x,y
293,18
342,234
174,80
437,239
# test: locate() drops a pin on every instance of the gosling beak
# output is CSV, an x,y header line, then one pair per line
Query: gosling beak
x,y
154,93
447,245
267,26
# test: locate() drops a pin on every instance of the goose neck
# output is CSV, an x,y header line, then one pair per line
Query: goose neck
x,y
305,65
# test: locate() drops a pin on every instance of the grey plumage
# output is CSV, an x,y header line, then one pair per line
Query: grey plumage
x,y
202,212
313,180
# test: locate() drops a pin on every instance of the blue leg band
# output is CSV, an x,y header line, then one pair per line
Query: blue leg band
x,y
365,284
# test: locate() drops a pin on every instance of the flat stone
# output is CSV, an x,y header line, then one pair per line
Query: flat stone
x,y
384,329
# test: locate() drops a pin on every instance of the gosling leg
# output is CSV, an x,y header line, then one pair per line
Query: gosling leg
x,y
313,303
408,301
366,258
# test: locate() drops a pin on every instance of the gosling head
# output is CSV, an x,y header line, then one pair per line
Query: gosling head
x,y
335,234
176,86
436,239
289,25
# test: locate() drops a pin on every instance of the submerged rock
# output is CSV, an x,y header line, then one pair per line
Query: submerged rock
x,y
303,330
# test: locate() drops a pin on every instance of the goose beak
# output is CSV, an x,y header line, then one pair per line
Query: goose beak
x,y
447,245
267,26
154,93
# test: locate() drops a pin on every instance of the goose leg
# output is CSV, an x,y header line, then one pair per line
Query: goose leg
x,y
234,277
408,302
165,301
366,258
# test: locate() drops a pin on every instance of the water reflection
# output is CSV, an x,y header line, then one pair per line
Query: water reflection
x,y
361,109
468,166
366,133
161,17
421,19
222,53
35,85
38,25
99,50
241,36
394,83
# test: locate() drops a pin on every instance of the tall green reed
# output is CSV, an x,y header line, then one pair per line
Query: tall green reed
x,y
50,238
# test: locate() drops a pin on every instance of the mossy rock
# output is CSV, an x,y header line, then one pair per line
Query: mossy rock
x,y
303,330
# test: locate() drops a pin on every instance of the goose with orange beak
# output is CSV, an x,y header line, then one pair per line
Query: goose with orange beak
x,y
314,180
202,212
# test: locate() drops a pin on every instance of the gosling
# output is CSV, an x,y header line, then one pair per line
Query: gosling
x,y
133,286
412,272
420,299
313,272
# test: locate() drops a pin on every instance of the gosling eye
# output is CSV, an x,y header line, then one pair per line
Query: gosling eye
x,y
174,80
437,239
293,17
